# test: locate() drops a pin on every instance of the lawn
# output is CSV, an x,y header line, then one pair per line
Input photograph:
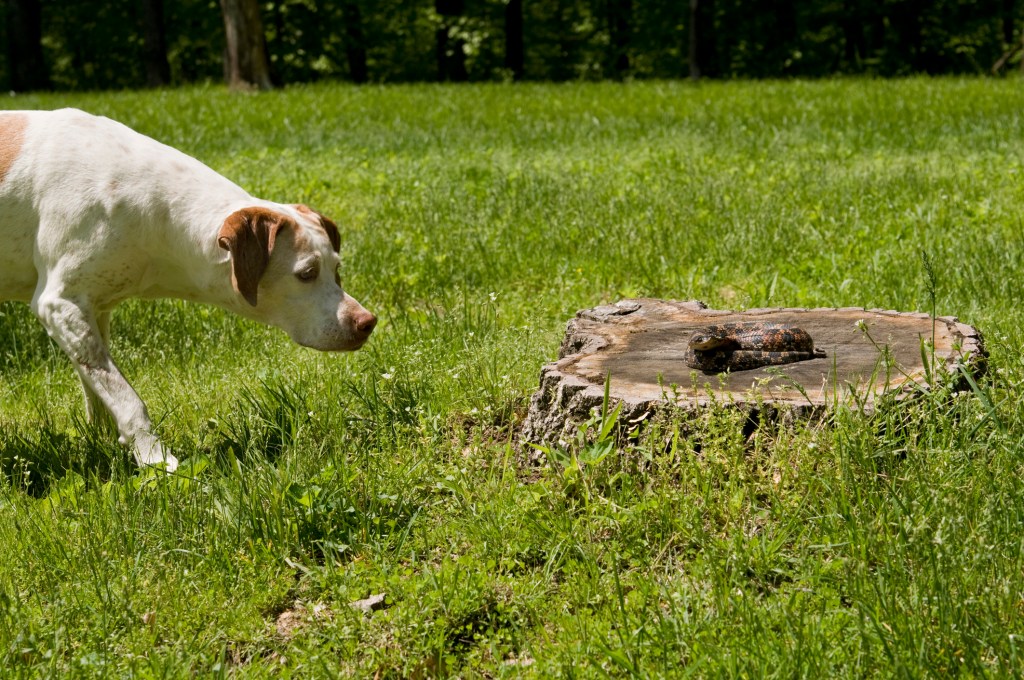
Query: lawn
x,y
475,221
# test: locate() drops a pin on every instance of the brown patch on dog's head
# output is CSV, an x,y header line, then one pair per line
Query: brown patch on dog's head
x,y
328,226
249,235
12,136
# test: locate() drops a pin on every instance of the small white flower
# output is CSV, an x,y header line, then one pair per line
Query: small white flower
x,y
386,376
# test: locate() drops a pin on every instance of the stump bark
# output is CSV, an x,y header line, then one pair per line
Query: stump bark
x,y
639,346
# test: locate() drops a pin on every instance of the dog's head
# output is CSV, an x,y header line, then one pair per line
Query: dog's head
x,y
284,264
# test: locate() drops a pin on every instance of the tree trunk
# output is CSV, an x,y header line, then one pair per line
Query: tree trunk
x,y
568,45
619,18
1009,9
25,47
1007,21
154,44
784,38
852,23
515,57
701,52
693,53
905,19
246,66
451,52
355,42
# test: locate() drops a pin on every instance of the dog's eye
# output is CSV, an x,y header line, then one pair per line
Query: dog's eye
x,y
307,275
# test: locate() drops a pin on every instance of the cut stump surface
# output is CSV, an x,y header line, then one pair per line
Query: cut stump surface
x,y
641,345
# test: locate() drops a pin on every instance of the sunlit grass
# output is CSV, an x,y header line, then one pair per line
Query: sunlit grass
x,y
476,221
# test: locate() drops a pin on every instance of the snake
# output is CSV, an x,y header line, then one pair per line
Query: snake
x,y
748,345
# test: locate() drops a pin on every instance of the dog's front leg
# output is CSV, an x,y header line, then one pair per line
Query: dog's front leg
x,y
74,325
95,410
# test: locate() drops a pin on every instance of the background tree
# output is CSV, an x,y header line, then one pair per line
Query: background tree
x,y
92,44
693,47
355,42
620,16
514,55
154,44
1012,45
451,53
24,45
246,65
1008,13
701,51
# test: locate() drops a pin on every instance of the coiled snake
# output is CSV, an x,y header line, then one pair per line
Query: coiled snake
x,y
748,345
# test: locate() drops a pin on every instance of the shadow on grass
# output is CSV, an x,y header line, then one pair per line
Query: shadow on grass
x,y
312,513
264,423
33,462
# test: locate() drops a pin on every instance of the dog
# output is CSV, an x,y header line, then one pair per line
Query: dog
x,y
93,213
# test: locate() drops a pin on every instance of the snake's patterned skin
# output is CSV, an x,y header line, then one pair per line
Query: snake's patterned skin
x,y
748,345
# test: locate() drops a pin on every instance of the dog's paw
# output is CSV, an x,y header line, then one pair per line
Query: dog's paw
x,y
149,451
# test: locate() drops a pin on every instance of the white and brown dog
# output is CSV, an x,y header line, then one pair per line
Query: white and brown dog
x,y
93,213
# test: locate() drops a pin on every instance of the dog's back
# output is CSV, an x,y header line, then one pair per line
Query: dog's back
x,y
66,176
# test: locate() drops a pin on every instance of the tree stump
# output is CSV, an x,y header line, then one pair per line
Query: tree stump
x,y
639,345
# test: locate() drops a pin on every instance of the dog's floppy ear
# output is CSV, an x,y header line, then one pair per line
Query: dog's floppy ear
x,y
330,227
249,235
332,230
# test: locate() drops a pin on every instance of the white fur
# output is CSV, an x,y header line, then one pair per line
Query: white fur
x,y
93,213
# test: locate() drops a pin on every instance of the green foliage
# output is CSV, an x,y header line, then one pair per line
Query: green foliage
x,y
91,44
476,220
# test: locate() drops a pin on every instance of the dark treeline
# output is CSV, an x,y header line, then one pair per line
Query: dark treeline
x,y
92,44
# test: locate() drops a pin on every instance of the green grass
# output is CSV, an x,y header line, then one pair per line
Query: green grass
x,y
476,220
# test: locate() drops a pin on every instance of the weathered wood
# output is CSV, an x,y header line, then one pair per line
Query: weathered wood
x,y
640,344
